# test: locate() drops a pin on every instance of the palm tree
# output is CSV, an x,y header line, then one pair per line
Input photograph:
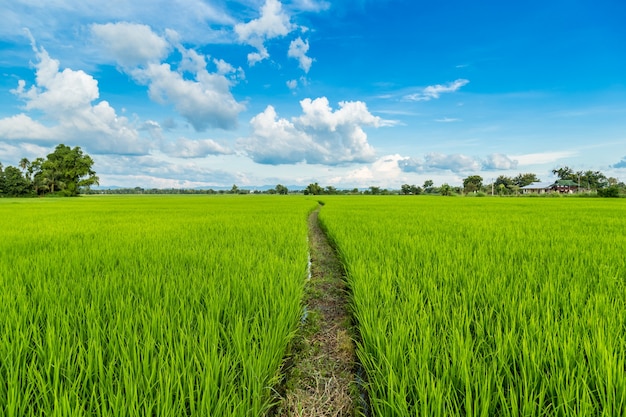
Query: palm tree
x,y
25,164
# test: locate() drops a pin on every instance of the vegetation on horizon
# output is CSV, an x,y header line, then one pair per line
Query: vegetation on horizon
x,y
64,172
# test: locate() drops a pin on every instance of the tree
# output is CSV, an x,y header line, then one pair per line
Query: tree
x,y
375,190
68,170
592,180
445,189
428,186
1,179
281,189
15,184
330,190
610,191
523,180
313,189
37,180
565,173
472,183
504,184
407,189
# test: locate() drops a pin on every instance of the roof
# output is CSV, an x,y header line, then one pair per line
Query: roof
x,y
566,183
537,185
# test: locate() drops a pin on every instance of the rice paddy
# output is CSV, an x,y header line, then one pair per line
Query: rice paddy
x,y
186,305
153,306
487,307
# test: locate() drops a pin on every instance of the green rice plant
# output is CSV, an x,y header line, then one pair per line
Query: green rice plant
x,y
148,305
487,307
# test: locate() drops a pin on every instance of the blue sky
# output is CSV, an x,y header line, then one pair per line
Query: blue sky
x,y
354,93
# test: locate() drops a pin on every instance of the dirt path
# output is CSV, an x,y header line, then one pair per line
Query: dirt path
x,y
320,378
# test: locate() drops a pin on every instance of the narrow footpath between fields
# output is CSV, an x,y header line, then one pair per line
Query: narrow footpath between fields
x,y
320,374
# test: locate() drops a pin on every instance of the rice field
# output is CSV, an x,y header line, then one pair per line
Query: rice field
x,y
487,307
148,306
185,305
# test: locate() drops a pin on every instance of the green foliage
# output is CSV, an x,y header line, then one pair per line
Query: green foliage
x,y
472,183
487,307
591,180
148,305
407,189
612,191
281,189
66,172
14,183
522,180
313,189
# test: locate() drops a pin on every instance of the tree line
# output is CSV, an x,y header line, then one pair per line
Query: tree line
x,y
65,172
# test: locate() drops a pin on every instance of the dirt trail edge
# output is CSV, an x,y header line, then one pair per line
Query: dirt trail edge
x,y
320,374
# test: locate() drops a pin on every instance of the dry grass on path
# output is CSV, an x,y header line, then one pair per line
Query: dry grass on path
x,y
320,375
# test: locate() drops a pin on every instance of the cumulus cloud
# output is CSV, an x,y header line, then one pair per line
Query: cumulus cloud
x,y
66,98
298,49
435,91
205,101
272,23
130,44
22,126
203,98
151,171
384,170
457,163
542,157
436,161
320,135
499,161
187,148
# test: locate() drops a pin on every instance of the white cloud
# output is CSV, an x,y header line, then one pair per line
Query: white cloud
x,y
272,23
187,148
11,153
383,171
205,101
447,120
298,49
437,161
130,44
499,161
292,84
66,97
201,97
435,91
22,126
154,171
543,157
319,136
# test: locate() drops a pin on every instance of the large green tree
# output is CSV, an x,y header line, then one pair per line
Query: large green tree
x,y
472,183
523,180
281,189
67,170
14,183
313,189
